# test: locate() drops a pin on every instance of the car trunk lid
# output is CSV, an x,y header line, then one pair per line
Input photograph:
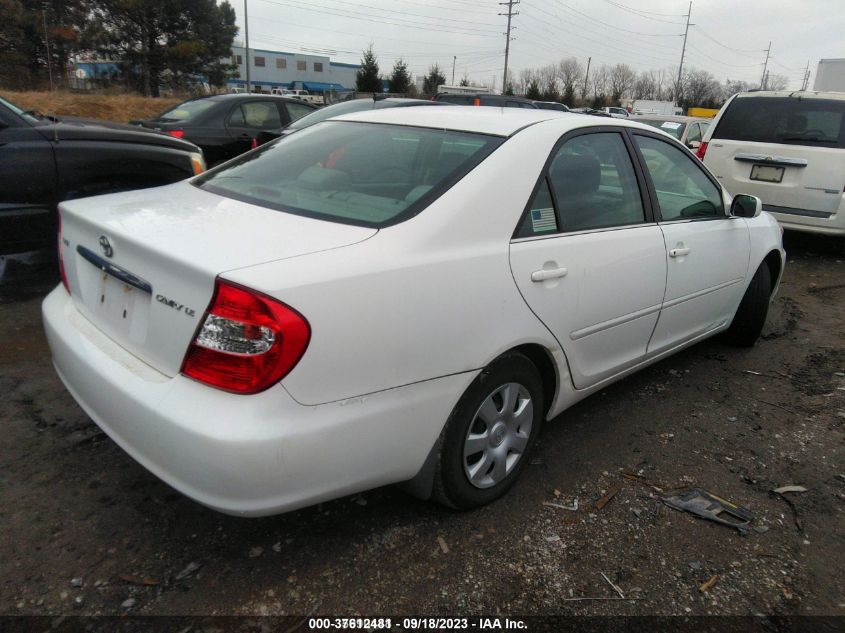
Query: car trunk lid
x,y
141,265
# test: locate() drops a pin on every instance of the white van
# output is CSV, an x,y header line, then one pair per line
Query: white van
x,y
787,148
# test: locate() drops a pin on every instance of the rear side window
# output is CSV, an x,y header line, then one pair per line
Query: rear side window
x,y
186,111
259,115
793,121
672,128
358,173
590,184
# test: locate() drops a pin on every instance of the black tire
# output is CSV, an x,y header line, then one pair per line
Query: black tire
x,y
751,315
452,485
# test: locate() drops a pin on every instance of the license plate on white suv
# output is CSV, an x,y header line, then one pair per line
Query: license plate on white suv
x,y
767,173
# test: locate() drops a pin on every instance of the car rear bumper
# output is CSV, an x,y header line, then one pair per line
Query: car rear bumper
x,y
246,455
810,221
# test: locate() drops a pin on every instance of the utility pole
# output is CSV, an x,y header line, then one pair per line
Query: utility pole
x,y
586,77
765,65
47,42
246,51
454,59
510,15
683,52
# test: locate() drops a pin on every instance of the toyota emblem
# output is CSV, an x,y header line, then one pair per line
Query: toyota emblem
x,y
105,245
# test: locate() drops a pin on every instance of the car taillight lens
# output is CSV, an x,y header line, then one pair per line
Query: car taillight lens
x,y
176,133
247,341
61,248
476,102
702,149
254,142
197,163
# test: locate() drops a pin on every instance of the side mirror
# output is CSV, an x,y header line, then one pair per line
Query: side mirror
x,y
694,145
745,206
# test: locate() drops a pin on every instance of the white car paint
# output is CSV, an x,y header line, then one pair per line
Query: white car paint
x,y
403,318
811,196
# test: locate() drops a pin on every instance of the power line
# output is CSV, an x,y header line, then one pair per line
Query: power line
x,y
646,14
317,8
566,7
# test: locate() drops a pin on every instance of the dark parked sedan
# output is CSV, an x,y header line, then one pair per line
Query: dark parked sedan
x,y
344,107
226,125
44,160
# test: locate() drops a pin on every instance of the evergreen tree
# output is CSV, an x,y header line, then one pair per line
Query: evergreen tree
x,y
367,79
464,81
433,79
509,90
533,91
400,80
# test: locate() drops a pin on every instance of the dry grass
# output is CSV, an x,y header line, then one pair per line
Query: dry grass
x,y
119,107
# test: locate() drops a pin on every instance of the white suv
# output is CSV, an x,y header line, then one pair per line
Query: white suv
x,y
787,148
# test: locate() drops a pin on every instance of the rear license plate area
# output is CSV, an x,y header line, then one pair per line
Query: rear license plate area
x,y
117,301
767,173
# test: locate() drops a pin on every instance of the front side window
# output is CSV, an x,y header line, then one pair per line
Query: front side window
x,y
594,184
683,190
357,173
694,133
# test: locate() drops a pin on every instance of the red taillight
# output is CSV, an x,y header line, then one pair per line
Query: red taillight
x,y
176,133
61,248
254,142
476,102
247,341
702,149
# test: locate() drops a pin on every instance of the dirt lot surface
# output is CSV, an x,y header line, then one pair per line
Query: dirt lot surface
x,y
118,107
86,530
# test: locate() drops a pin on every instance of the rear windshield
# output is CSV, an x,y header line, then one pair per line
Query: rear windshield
x,y
357,173
795,121
186,111
673,128
459,99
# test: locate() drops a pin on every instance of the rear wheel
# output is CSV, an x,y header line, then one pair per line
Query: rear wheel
x,y
751,315
488,437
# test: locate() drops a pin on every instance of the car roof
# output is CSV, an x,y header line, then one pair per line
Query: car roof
x,y
235,96
670,117
803,94
479,119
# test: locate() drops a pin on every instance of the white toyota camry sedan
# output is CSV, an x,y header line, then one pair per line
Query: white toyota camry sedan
x,y
402,295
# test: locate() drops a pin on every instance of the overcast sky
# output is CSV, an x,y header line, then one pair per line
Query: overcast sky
x,y
729,38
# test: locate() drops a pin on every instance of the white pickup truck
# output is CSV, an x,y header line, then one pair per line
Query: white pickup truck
x,y
302,95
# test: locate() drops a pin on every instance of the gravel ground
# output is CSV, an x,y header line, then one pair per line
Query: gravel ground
x,y
86,530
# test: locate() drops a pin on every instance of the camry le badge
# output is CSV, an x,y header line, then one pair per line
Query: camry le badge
x,y
105,245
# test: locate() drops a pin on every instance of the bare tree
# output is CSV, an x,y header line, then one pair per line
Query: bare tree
x,y
646,86
548,82
701,88
525,77
622,79
776,82
598,81
571,74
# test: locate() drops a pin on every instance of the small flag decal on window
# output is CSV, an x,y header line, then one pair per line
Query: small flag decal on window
x,y
543,220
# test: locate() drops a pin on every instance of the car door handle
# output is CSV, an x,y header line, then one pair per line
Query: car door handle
x,y
548,273
679,252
